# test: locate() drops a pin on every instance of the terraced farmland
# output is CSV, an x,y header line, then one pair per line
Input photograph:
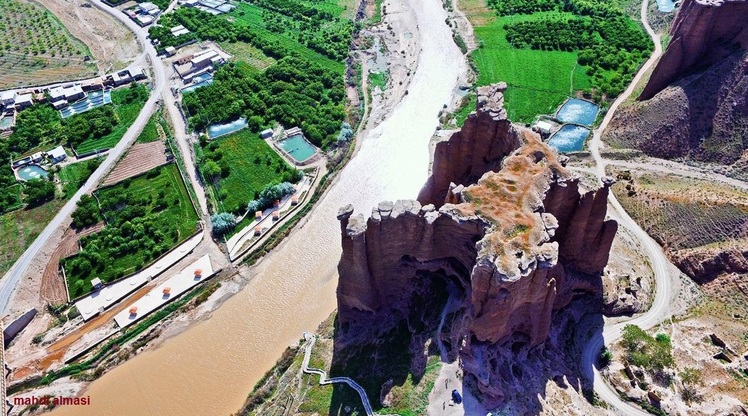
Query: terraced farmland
x,y
685,214
35,48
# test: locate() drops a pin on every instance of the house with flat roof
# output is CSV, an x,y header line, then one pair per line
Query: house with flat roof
x,y
144,19
179,30
543,127
24,100
8,98
69,93
57,154
196,63
148,8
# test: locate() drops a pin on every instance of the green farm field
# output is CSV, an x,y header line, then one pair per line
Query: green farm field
x,y
74,175
35,48
150,132
247,53
146,216
538,81
250,17
19,228
252,164
126,115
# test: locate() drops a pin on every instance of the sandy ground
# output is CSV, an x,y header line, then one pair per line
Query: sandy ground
x,y
112,45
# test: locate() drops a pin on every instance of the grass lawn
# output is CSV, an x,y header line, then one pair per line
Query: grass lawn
x,y
126,113
149,133
126,246
378,79
250,16
253,164
74,175
19,228
538,81
247,53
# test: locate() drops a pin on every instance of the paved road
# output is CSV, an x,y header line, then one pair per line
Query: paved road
x,y
335,380
660,305
10,280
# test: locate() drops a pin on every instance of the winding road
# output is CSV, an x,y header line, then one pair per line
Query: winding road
x,y
660,305
12,277
310,340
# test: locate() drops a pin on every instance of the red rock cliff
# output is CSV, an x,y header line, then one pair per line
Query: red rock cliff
x,y
703,33
484,141
512,244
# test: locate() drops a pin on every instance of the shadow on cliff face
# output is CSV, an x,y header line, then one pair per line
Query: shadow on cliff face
x,y
402,353
520,376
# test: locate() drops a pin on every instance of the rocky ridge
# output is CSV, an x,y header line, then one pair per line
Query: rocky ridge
x,y
695,104
515,243
703,34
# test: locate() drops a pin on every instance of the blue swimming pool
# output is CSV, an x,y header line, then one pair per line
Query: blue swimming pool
x,y
31,172
665,6
570,138
297,147
6,122
201,80
218,130
93,99
578,112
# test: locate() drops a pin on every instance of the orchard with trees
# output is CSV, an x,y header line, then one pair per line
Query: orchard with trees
x,y
610,44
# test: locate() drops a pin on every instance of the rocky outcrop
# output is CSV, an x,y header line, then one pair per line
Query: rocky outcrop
x,y
695,104
706,264
703,117
479,147
514,248
703,33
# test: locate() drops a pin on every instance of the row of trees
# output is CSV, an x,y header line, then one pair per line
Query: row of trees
x,y
592,8
293,92
136,229
610,47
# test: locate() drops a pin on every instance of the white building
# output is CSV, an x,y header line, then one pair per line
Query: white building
x,y
544,127
24,100
69,93
57,154
179,30
8,98
148,8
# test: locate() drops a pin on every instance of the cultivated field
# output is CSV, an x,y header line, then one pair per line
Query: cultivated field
x,y
248,53
254,18
685,214
150,132
53,283
538,80
74,175
35,48
145,216
252,165
126,115
19,228
141,158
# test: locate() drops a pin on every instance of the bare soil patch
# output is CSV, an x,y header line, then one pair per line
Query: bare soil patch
x,y
112,45
141,158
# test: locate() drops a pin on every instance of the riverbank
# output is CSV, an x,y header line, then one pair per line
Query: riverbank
x,y
292,289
